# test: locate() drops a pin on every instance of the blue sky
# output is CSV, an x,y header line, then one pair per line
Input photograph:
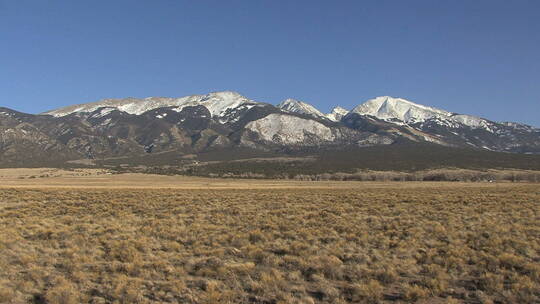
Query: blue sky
x,y
475,57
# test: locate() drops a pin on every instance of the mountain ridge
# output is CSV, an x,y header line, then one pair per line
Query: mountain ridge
x,y
289,105
220,121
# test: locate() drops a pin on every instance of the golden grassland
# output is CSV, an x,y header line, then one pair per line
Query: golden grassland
x,y
104,179
363,243
109,179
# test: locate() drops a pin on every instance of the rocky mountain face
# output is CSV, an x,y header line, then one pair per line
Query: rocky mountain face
x,y
115,128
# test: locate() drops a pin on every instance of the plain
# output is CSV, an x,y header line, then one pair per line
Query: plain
x,y
233,241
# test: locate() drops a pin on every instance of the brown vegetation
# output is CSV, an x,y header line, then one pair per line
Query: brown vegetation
x,y
429,244
450,175
438,175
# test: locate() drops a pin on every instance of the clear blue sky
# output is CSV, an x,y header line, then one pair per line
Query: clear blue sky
x,y
475,57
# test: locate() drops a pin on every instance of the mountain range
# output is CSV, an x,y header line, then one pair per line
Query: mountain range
x,y
217,123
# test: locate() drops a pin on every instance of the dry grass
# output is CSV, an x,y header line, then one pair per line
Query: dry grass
x,y
102,178
430,243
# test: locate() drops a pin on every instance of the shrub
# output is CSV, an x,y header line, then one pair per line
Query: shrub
x,y
63,292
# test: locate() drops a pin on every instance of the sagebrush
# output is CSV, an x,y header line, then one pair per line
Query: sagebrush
x,y
430,243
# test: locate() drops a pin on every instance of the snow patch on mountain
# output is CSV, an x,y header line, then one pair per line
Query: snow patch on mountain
x,y
234,114
289,129
473,121
299,107
520,126
100,112
337,113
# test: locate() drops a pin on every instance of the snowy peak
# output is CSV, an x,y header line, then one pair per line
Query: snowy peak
x,y
386,107
295,106
217,103
337,113
339,110
402,110
299,107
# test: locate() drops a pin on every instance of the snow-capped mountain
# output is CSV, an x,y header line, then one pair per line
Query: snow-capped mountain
x,y
337,113
444,127
131,127
389,108
401,110
299,107
218,103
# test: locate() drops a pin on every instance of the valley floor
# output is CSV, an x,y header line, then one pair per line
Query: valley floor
x,y
93,237
51,178
99,179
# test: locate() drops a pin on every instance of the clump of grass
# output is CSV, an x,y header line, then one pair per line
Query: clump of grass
x,y
63,292
7,294
413,293
369,292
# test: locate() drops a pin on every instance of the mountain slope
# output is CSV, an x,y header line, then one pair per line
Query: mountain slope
x,y
299,107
